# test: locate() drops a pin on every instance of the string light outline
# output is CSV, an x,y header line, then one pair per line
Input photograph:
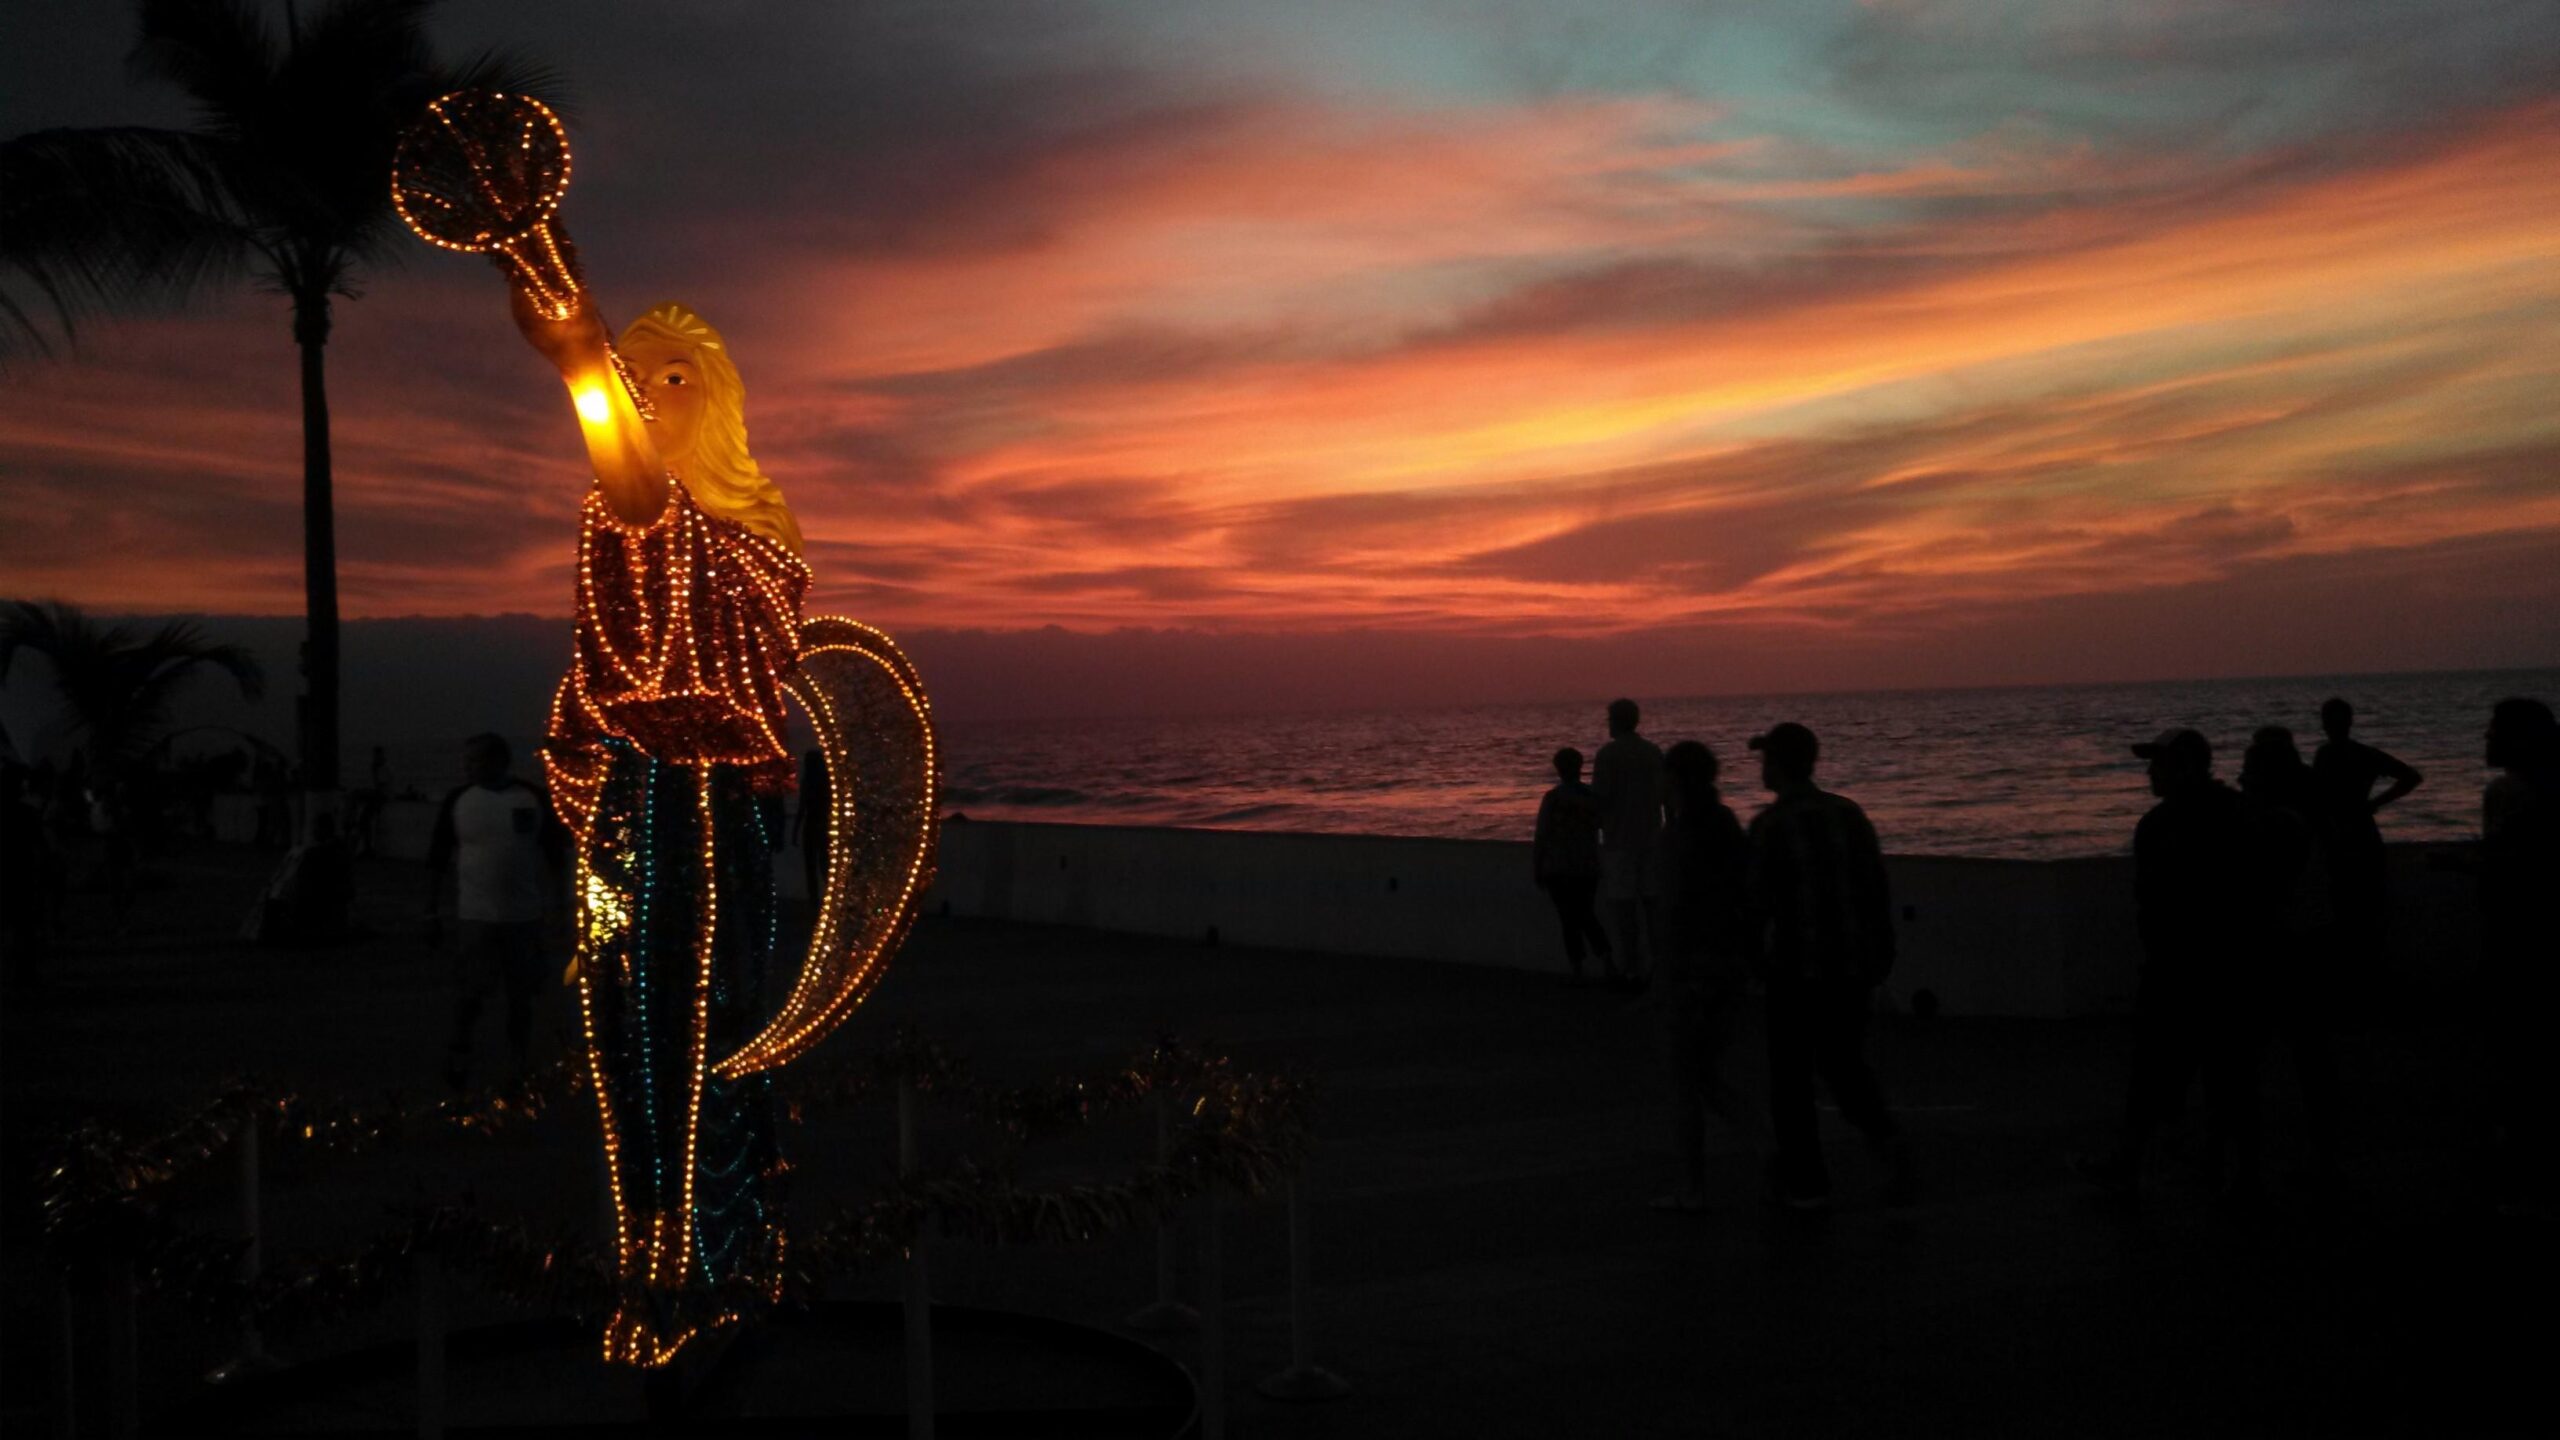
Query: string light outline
x,y
640,678
846,978
535,252
656,657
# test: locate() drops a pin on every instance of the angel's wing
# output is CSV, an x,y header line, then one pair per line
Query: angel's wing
x,y
883,775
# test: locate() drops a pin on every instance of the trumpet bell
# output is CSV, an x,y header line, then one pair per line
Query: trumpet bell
x,y
480,171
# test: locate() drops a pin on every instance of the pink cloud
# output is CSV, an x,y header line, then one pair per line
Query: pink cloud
x,y
1556,368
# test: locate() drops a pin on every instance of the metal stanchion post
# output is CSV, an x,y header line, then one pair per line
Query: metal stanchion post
x,y
124,1383
1164,1313
253,1354
1213,1323
1304,1379
919,1291
431,1332
67,1373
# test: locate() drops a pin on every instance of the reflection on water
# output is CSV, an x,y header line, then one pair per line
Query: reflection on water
x,y
2014,772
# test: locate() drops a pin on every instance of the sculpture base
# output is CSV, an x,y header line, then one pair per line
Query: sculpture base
x,y
835,1369
1164,1317
1305,1386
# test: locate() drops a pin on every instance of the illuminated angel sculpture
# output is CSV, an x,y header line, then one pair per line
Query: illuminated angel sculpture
x,y
664,734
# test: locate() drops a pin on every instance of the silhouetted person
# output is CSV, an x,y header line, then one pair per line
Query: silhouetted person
x,y
2300,917
2520,948
71,796
31,881
369,803
1817,884
1564,856
495,836
1627,778
324,884
2346,770
809,824
44,790
1703,964
2194,868
275,819
112,821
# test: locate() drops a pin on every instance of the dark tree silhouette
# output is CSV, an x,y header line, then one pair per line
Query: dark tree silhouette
x,y
284,177
118,686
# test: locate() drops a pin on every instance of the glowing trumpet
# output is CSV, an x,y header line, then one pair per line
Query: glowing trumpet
x,y
483,174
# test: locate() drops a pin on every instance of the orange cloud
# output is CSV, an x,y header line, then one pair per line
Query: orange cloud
x,y
1566,367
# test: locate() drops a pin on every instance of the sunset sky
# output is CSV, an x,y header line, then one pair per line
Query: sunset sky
x,y
1817,344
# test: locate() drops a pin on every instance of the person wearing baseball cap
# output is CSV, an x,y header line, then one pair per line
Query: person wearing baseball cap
x,y
1817,886
2186,749
2193,872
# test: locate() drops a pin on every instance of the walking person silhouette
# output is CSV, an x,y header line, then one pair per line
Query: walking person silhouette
x,y
1702,971
1627,778
2192,870
1817,883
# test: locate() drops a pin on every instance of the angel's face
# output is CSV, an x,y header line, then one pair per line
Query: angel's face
x,y
672,380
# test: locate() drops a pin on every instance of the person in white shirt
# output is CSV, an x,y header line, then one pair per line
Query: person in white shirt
x,y
496,837
1627,777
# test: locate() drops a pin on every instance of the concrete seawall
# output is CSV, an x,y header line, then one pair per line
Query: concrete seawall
x,y
1986,937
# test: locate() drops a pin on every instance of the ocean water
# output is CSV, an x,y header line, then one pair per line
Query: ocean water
x,y
2018,772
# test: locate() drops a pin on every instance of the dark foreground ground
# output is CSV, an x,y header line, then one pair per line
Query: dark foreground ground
x,y
1485,1260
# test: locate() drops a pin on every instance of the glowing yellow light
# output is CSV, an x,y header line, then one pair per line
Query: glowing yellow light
x,y
593,407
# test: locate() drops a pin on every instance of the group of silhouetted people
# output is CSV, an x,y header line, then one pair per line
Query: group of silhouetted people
x,y
2258,908
49,816
1701,910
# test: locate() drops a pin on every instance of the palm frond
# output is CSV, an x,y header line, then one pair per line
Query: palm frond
x,y
46,627
288,170
102,220
118,689
510,74
364,39
19,332
354,77
183,643
222,53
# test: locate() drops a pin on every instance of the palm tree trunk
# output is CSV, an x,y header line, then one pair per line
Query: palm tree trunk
x,y
319,570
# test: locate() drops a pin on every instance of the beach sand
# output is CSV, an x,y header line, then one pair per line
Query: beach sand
x,y
1485,1260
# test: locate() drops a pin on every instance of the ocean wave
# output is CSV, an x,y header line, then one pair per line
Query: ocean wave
x,y
1239,814
1994,772
1028,796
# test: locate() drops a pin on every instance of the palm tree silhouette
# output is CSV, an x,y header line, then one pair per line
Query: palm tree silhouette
x,y
119,686
284,177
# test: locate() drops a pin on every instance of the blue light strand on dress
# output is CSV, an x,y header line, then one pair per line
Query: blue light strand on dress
x,y
640,968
